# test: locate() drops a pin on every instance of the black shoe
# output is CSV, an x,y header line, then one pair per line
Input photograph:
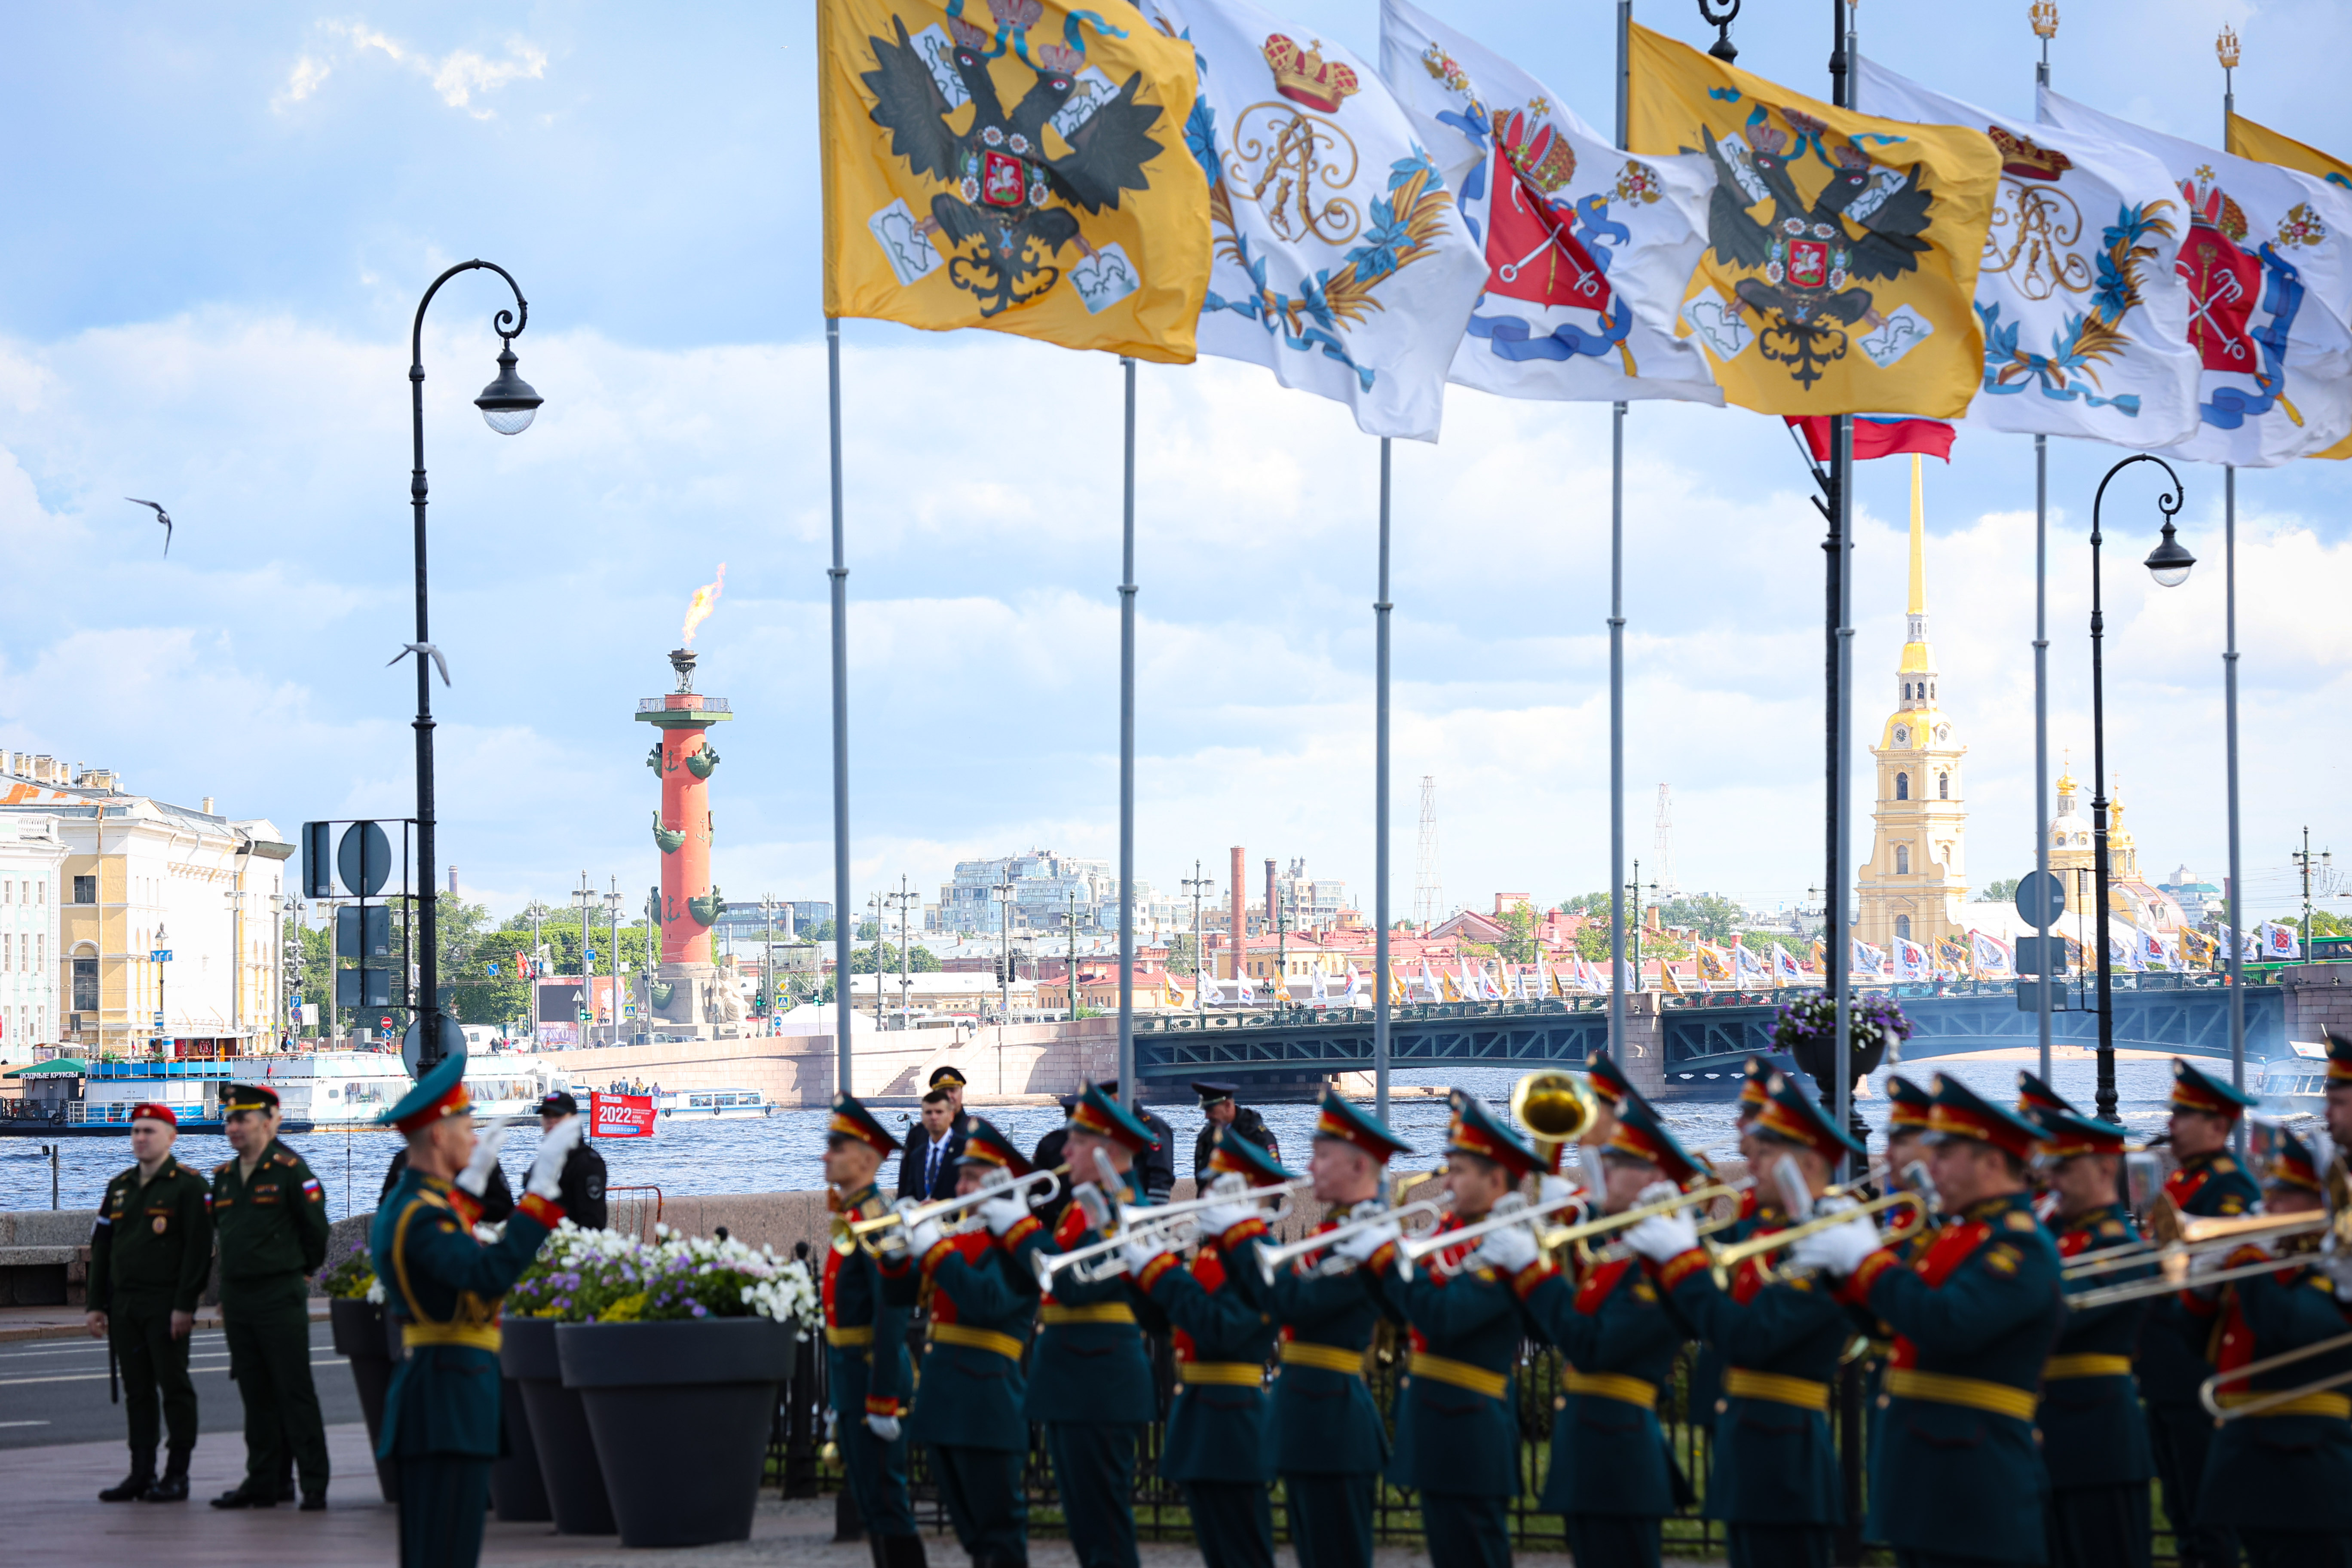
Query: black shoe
x,y
142,1477
314,1503
246,1497
173,1488
904,1551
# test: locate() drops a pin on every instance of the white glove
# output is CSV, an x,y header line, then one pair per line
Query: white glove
x,y
1510,1250
1836,1203
547,1166
1003,1212
1552,1189
832,1423
886,1428
1091,1202
1838,1250
1219,1218
1360,1246
1141,1251
476,1177
1656,1192
921,1238
1661,1236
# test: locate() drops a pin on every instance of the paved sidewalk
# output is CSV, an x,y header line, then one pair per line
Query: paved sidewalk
x,y
68,1322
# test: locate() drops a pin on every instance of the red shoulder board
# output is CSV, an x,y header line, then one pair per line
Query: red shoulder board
x,y
1597,1284
2183,1186
1953,1247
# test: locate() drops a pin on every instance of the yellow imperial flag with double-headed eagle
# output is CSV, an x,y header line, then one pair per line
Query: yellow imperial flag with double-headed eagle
x,y
2251,139
1841,248
1026,173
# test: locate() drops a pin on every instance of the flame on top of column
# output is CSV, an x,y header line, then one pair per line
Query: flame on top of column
x,y
705,600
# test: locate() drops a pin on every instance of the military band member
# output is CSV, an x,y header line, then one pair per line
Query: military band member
x,y
1758,1206
1456,1419
442,1287
1611,1476
1956,1475
1329,1440
1217,1447
1776,1483
2209,1183
1089,1376
967,1404
269,1213
2094,1433
867,1364
1610,1089
151,1252
2281,1478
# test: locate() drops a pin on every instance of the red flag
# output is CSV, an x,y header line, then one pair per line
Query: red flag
x,y
1877,435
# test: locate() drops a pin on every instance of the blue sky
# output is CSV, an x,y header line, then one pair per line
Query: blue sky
x,y
219,228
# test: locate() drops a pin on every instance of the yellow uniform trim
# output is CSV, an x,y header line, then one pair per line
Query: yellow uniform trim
x,y
1054,1315
2339,1405
1611,1386
1330,1358
1801,1392
1460,1373
482,1338
1241,1374
1005,1346
844,1339
1975,1392
2085,1365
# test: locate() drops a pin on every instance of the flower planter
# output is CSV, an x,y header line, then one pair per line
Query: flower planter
x,y
569,1477
518,1491
681,1413
372,1345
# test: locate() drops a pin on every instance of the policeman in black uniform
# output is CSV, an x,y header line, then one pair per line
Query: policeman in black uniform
x,y
1217,1105
580,1193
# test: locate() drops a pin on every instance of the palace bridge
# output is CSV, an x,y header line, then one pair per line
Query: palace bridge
x,y
1705,1038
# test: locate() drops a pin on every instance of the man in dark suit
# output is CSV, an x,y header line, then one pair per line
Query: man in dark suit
x,y
927,1167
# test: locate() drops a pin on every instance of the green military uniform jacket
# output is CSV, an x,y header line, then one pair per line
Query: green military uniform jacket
x,y
1608,1454
152,1243
2172,1360
1217,1425
1779,1344
866,1365
1456,1417
1089,1364
972,1386
2093,1431
2289,1470
272,1226
444,1287
1324,1420
1974,1316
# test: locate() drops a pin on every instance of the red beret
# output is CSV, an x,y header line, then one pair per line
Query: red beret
x,y
151,1111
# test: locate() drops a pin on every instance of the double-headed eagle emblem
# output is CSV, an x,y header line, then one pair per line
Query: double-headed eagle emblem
x,y
1008,211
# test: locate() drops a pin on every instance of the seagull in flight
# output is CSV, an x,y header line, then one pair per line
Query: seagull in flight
x,y
423,650
161,516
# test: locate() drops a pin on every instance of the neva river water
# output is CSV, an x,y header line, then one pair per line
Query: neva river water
x,y
781,1153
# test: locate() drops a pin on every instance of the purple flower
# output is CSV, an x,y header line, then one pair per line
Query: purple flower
x,y
700,1311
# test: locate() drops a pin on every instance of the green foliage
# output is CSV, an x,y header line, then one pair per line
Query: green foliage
x,y
1710,917
1519,946
1999,892
1594,904
2322,923
1592,941
867,930
862,959
820,933
1182,958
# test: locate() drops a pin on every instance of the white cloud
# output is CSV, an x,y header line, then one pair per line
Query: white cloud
x,y
457,77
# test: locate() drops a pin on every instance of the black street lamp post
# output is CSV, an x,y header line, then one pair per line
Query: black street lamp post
x,y
2169,563
507,404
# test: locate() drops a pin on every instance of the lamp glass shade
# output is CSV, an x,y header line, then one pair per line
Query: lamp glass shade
x,y
2170,562
509,403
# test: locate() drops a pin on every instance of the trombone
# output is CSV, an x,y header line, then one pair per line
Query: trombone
x,y
858,1232
1738,1252
1569,1235
1413,1250
1271,1259
1172,1223
2240,1405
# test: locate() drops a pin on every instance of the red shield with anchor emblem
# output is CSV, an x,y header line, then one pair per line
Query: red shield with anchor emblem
x,y
1530,254
1808,263
1002,180
2224,285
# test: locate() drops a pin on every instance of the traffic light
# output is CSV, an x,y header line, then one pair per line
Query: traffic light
x,y
1000,969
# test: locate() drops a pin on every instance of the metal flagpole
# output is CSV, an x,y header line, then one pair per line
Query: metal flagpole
x,y
842,927
2226,47
1840,948
1617,638
1130,1090
1380,609
2045,24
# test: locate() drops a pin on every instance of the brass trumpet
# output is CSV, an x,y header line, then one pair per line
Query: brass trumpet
x,y
1413,1251
1728,1258
2255,1403
1569,1235
1271,1259
860,1232
1173,1225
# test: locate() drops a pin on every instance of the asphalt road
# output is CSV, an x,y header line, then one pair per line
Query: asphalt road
x,y
53,1391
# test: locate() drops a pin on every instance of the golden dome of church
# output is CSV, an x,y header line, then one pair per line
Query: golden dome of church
x,y
2074,857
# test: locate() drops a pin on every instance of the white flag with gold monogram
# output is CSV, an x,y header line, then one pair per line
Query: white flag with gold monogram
x,y
1341,261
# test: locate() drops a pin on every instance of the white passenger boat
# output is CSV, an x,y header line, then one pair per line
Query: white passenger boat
x,y
317,1091
711,1105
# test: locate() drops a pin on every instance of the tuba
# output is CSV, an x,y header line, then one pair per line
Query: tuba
x,y
1556,1108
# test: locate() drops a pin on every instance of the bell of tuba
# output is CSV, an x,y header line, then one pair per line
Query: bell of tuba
x,y
1556,1108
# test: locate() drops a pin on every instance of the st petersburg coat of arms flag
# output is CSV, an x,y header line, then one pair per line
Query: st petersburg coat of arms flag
x,y
1587,249
1025,172
1841,263
2084,313
1341,262
2268,262
2249,139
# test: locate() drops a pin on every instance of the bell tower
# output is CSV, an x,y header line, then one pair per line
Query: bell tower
x,y
1916,881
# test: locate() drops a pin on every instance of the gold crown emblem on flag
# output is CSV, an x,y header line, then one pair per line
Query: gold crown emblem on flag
x,y
1547,160
2027,159
1303,76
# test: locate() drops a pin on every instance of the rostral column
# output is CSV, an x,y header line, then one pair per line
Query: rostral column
x,y
684,994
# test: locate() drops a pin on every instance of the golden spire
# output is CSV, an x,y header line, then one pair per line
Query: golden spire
x,y
1916,658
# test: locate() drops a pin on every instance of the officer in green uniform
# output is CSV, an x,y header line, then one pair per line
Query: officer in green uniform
x,y
149,1254
1328,1439
270,1214
968,1402
1758,1206
1216,1447
1781,1336
2209,1183
1957,1475
2280,1472
442,1287
1611,1476
1090,1377
867,1365
2094,1433
1456,1414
